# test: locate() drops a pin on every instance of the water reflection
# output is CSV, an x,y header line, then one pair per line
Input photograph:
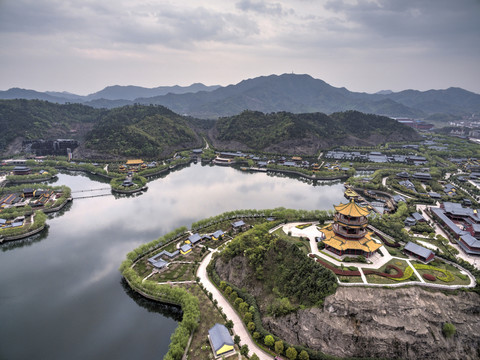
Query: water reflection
x,y
16,244
167,310
61,296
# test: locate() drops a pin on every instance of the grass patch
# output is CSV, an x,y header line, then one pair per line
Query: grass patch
x,y
303,245
330,256
303,226
281,234
396,252
209,315
445,273
214,244
350,279
143,268
177,270
403,265
377,279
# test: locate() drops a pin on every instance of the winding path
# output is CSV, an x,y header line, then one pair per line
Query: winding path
x,y
238,325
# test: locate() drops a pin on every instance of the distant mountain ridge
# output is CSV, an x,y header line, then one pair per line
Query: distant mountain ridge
x,y
156,132
113,93
288,92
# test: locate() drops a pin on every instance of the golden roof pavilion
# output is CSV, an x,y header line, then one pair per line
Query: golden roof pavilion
x,y
348,234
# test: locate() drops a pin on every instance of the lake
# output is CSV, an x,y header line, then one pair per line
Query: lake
x,y
62,296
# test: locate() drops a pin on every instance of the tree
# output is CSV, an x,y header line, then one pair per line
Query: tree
x,y
237,302
236,339
448,330
243,307
251,326
247,318
254,357
279,347
291,353
269,340
228,290
229,324
256,335
303,355
244,350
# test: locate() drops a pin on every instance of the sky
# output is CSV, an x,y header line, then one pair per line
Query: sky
x,y
82,46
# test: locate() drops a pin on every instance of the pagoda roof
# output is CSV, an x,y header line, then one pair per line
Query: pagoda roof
x,y
366,244
351,193
352,209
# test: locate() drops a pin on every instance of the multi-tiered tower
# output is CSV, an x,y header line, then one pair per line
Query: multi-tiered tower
x,y
348,234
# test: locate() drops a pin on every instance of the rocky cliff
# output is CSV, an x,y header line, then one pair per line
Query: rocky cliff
x,y
403,323
384,323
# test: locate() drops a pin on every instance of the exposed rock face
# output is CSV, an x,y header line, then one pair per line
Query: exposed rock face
x,y
385,323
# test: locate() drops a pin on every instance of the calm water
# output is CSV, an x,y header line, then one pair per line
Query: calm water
x,y
61,293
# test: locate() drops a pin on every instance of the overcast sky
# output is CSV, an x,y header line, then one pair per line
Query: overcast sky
x,y
81,46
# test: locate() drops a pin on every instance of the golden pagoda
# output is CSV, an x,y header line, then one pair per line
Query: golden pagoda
x,y
348,234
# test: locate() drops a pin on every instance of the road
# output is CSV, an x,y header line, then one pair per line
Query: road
x,y
238,325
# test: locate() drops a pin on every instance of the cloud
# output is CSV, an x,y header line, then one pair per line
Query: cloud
x,y
261,7
160,42
429,24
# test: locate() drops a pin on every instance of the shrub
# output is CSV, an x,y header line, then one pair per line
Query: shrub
x,y
448,330
429,277
269,340
291,353
244,350
279,347
236,339
406,275
303,355
448,276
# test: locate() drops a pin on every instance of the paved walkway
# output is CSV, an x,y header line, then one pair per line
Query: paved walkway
x,y
377,260
312,232
238,325
417,274
364,278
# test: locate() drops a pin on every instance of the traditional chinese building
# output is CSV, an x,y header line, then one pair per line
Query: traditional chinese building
x,y
348,235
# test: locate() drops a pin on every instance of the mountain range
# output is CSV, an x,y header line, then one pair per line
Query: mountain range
x,y
288,92
156,132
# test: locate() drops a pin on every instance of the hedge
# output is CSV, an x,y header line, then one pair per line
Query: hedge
x,y
337,271
448,276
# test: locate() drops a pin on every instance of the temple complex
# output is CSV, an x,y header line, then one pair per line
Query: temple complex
x,y
348,235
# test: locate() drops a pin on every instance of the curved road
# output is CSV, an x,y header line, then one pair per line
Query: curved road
x,y
238,325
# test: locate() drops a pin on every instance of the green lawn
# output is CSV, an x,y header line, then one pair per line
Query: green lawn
x,y
143,268
350,279
303,245
209,315
396,252
459,279
377,279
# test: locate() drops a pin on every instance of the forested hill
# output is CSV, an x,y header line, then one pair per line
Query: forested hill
x,y
147,131
305,133
150,131
35,119
156,132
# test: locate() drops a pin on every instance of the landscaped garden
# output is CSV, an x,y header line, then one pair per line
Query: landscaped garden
x,y
441,273
209,315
